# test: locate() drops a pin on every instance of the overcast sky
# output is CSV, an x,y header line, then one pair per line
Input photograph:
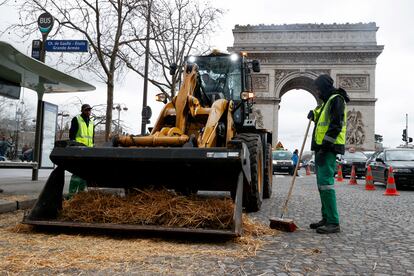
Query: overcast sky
x,y
394,91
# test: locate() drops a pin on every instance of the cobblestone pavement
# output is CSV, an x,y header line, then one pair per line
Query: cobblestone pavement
x,y
377,235
377,238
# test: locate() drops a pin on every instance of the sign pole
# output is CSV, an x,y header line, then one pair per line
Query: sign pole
x,y
45,24
406,128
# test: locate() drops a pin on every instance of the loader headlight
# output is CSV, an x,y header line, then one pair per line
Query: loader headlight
x,y
234,57
246,95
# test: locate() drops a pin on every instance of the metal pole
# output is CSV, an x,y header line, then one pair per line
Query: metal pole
x,y
61,126
406,129
38,134
119,117
17,132
39,115
144,99
42,48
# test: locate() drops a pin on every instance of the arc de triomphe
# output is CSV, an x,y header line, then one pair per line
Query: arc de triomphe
x,y
292,56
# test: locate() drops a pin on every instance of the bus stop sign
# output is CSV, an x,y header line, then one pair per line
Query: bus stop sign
x,y
45,22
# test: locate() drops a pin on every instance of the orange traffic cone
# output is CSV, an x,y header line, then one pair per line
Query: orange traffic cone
x,y
308,170
339,176
352,180
369,181
391,190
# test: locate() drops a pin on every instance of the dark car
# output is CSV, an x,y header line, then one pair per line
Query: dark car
x,y
282,162
349,159
402,162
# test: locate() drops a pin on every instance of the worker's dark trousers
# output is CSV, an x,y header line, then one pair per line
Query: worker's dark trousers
x,y
76,185
325,163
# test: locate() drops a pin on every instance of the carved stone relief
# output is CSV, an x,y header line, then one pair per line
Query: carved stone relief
x,y
260,82
355,133
357,83
318,72
257,113
281,74
304,58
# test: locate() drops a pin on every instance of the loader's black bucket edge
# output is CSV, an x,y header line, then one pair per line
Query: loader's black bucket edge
x,y
130,228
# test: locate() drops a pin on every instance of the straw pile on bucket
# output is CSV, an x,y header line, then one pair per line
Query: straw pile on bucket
x,y
149,207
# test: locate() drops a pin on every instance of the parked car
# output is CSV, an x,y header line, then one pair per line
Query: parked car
x,y
368,154
282,162
402,162
352,158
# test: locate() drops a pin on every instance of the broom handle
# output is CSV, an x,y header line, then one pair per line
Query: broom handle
x,y
296,170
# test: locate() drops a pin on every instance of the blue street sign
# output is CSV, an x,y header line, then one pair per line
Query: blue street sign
x,y
66,46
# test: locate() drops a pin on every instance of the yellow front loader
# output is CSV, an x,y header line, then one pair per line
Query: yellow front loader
x,y
205,139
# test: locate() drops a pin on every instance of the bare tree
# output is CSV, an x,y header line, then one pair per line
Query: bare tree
x,y
108,25
179,28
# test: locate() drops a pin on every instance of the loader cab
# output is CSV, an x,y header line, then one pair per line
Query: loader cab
x,y
223,76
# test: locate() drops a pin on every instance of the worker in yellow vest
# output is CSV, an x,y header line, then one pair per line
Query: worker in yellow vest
x,y
328,140
82,131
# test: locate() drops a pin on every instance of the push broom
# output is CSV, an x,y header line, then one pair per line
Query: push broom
x,y
282,224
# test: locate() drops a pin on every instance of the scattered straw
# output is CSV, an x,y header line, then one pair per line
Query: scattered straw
x,y
24,250
150,207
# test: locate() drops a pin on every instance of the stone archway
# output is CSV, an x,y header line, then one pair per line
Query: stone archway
x,y
292,56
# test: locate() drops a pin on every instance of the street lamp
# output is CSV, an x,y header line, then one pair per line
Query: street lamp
x,y
119,107
61,114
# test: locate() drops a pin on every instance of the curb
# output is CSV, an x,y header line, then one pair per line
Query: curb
x,y
11,206
7,206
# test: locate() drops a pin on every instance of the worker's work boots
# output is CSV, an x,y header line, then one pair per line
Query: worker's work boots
x,y
317,224
328,229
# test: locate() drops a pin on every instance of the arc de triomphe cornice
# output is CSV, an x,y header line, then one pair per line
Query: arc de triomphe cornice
x,y
293,55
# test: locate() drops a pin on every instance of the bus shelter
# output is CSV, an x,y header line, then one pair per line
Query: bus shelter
x,y
18,70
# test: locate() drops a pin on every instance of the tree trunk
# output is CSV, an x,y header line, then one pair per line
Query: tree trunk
x,y
109,104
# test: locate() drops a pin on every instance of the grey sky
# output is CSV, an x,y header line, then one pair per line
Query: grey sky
x,y
393,73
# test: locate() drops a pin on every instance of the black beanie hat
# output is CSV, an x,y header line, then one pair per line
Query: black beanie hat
x,y
325,84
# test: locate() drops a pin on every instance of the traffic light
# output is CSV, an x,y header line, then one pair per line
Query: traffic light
x,y
410,139
404,135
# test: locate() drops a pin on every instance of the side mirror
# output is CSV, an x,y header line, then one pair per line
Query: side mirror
x,y
161,97
379,159
173,69
256,66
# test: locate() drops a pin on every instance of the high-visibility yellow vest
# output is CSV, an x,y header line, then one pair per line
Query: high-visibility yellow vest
x,y
85,132
324,121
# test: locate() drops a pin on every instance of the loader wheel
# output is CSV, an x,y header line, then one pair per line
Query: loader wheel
x,y
253,192
268,172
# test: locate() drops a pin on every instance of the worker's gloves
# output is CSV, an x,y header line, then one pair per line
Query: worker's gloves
x,y
310,115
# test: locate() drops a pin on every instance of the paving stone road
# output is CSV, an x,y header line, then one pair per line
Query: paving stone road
x,y
377,235
377,238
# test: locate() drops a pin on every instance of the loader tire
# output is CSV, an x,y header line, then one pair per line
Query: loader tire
x,y
268,173
253,192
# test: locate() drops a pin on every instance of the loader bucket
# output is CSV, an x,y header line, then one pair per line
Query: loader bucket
x,y
209,169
